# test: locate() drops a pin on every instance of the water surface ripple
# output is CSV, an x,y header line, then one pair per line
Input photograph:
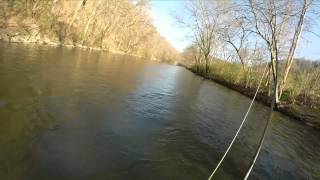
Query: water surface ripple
x,y
78,114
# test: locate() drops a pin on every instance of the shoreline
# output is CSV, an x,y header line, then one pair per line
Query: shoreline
x,y
79,46
302,114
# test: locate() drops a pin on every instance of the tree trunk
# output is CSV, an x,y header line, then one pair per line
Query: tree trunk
x,y
207,63
293,47
86,30
269,81
274,67
80,4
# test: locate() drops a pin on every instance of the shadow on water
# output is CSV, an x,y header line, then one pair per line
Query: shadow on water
x,y
77,114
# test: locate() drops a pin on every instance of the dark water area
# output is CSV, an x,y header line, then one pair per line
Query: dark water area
x,y
78,114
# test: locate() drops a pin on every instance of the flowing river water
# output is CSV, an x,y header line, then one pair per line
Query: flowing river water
x,y
78,114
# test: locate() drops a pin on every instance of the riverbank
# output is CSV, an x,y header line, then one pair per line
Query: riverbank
x,y
23,38
48,42
303,114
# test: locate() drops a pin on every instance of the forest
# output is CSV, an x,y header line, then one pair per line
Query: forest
x,y
119,26
240,43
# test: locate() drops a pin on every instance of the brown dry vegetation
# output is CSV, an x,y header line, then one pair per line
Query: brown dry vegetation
x,y
120,26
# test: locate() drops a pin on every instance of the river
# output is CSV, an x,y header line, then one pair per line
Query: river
x,y
70,113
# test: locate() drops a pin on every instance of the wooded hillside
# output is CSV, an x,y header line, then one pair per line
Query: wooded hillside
x,y
120,26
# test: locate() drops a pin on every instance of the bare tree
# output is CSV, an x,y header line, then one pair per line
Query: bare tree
x,y
81,4
274,22
204,26
297,33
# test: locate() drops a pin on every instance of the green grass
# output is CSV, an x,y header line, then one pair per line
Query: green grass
x,y
301,88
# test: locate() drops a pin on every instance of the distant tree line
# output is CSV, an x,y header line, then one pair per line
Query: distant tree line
x,y
115,25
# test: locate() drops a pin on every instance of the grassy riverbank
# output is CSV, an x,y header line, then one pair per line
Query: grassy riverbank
x,y
301,106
